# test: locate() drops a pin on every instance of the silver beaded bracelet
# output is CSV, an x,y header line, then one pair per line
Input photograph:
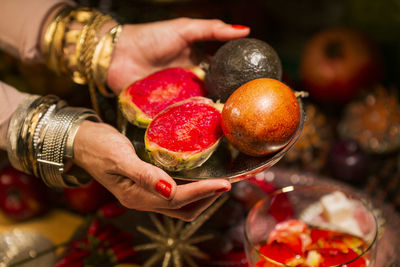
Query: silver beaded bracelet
x,y
41,136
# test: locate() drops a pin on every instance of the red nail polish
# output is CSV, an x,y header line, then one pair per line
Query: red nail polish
x,y
239,27
222,190
164,188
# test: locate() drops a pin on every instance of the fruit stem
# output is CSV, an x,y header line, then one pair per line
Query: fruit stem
x,y
301,94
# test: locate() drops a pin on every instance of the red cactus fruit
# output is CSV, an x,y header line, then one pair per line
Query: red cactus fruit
x,y
184,135
144,99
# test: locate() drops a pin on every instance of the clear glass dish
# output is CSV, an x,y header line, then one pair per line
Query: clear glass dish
x,y
303,204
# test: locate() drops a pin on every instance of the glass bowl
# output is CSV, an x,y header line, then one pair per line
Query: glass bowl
x,y
311,226
225,162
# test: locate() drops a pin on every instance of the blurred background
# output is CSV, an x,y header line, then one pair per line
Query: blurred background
x,y
287,26
356,142
331,136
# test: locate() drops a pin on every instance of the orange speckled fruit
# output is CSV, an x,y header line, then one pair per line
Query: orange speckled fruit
x,y
260,117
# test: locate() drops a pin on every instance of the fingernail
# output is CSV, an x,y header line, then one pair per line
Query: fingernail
x,y
239,27
164,188
222,190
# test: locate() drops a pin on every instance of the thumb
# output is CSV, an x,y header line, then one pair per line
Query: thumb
x,y
193,30
149,177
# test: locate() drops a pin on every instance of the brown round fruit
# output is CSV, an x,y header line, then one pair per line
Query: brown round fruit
x,y
260,117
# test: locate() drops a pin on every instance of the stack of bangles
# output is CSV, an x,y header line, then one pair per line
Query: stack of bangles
x,y
42,130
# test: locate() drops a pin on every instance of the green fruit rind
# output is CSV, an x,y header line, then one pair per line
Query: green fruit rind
x,y
174,161
132,112
178,161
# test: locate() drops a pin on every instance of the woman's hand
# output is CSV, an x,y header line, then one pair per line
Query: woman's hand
x,y
110,158
145,48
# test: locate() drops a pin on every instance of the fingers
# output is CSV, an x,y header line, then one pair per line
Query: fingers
x,y
193,30
191,211
112,153
149,177
195,191
134,196
139,198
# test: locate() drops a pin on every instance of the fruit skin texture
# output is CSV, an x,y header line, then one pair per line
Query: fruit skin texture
x,y
240,61
337,63
22,196
184,135
143,99
260,117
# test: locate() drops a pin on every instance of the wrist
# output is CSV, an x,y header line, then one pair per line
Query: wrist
x,y
41,138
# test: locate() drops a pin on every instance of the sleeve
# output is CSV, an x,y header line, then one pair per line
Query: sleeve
x,y
21,26
10,98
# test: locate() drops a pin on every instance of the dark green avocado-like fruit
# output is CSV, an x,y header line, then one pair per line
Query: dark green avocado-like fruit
x,y
240,61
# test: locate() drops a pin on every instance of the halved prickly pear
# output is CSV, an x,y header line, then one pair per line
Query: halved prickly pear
x,y
184,135
143,99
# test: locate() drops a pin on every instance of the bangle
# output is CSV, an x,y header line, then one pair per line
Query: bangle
x,y
22,130
92,21
15,134
41,137
58,144
90,60
102,58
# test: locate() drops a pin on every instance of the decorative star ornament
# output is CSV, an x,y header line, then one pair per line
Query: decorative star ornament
x,y
173,243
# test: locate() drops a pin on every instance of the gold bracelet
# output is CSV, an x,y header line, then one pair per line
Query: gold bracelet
x,y
89,43
53,41
102,58
86,42
89,63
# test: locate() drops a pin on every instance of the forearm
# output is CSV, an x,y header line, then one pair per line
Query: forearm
x,y
10,98
21,23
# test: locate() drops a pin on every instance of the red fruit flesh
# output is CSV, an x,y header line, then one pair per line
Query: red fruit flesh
x,y
162,89
198,128
185,134
278,252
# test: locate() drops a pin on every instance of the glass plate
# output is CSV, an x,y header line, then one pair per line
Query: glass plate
x,y
225,162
